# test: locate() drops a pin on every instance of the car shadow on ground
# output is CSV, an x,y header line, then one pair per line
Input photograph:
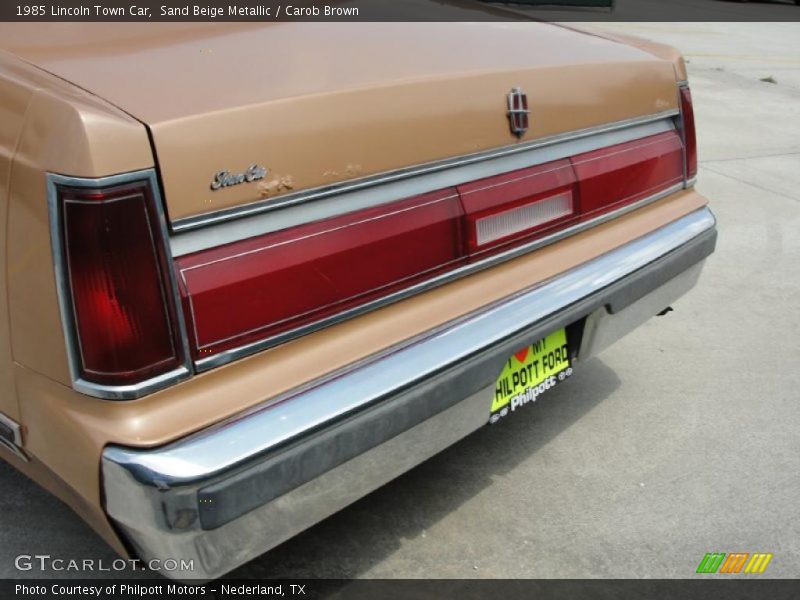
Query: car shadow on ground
x,y
349,543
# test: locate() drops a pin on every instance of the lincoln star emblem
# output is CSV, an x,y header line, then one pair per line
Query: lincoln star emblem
x,y
226,179
518,111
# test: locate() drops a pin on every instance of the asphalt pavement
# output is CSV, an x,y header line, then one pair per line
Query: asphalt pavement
x,y
682,439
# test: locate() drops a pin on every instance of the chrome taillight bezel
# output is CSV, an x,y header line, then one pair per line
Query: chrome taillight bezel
x,y
81,384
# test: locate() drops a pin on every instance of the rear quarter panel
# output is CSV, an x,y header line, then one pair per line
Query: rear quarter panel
x,y
47,125
14,98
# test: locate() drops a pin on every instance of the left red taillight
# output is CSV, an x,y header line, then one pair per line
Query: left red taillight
x,y
117,287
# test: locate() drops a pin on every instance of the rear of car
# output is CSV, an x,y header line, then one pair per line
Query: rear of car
x,y
274,298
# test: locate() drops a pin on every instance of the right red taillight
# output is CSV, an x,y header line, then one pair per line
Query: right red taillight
x,y
615,176
119,303
688,130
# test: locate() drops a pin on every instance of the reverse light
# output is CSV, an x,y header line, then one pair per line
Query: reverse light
x,y
513,206
527,217
117,295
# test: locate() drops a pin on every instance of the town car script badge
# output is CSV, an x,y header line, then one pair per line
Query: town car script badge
x,y
225,179
518,111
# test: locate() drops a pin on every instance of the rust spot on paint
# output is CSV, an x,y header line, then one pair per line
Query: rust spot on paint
x,y
287,182
276,185
353,170
268,188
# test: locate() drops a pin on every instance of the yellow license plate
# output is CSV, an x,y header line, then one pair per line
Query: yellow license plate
x,y
530,372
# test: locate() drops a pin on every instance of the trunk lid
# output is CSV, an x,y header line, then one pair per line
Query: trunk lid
x,y
316,104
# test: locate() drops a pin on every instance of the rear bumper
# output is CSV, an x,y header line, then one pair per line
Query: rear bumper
x,y
233,491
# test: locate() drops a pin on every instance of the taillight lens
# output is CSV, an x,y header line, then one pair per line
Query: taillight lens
x,y
689,133
256,288
116,278
621,174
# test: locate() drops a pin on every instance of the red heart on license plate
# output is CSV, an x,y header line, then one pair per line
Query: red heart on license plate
x,y
522,354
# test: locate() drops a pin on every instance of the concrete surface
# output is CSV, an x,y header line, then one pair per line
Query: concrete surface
x,y
680,440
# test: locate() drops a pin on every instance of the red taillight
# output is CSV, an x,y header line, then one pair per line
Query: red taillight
x,y
628,172
259,287
117,286
689,133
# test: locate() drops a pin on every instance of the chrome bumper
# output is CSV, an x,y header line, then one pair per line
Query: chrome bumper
x,y
231,492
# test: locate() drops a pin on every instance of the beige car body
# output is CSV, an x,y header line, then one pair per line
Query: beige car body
x,y
72,102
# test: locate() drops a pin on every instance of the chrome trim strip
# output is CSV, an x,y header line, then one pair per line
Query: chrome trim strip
x,y
133,391
108,392
245,221
282,420
227,356
14,445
